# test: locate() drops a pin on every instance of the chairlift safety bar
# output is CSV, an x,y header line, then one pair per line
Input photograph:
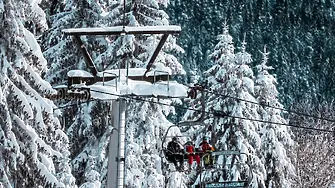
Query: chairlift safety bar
x,y
228,152
103,78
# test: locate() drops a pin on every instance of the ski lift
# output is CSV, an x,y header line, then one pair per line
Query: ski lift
x,y
199,121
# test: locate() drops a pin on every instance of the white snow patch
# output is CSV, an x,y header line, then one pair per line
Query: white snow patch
x,y
109,91
34,46
79,73
49,177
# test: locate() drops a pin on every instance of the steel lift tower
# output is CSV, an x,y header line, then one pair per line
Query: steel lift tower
x,y
148,81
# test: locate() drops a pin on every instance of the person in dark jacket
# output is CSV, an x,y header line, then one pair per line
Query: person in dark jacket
x,y
175,153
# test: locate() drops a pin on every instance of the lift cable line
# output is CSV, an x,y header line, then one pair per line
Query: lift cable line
x,y
269,106
253,102
218,113
239,99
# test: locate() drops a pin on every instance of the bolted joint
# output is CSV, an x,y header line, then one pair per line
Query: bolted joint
x,y
121,159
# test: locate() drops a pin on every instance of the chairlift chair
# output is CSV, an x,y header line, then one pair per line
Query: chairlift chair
x,y
185,124
217,167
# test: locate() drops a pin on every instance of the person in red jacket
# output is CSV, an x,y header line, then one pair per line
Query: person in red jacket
x,y
191,154
206,149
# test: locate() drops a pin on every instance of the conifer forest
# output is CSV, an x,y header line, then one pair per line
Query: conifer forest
x,y
183,93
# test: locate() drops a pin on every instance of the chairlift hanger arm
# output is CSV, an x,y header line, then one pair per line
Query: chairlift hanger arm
x,y
190,123
123,30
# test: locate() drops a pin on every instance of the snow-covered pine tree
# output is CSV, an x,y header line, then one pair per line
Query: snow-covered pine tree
x,y
120,49
230,127
60,51
276,139
34,149
86,124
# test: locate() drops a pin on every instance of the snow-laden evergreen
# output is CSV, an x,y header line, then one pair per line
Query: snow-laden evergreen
x,y
61,51
88,125
145,129
232,76
236,104
276,139
34,148
89,133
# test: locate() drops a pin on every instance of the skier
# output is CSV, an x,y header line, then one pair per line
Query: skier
x,y
191,154
206,150
175,153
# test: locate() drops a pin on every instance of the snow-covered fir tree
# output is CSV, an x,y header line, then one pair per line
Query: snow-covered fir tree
x,y
230,127
87,124
276,139
34,148
61,51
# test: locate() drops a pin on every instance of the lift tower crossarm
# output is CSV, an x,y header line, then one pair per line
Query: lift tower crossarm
x,y
156,52
87,56
123,30
127,30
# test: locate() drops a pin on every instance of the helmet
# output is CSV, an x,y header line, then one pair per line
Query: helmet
x,y
205,138
189,143
175,139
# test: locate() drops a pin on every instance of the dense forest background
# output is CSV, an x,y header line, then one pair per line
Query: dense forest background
x,y
299,35
300,38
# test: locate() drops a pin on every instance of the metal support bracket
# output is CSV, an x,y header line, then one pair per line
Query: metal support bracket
x,y
122,159
87,56
155,54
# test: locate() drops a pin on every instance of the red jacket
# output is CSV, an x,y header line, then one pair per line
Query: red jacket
x,y
189,149
205,146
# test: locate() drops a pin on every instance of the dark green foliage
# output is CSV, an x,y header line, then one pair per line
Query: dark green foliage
x,y
299,36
